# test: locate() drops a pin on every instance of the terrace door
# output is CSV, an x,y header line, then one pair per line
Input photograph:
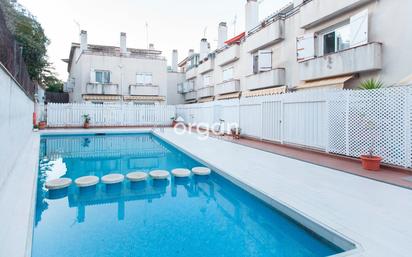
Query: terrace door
x,y
272,122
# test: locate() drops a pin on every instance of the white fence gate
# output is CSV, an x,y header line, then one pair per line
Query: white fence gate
x,y
71,115
347,122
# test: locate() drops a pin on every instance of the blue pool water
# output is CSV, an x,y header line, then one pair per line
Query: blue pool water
x,y
198,216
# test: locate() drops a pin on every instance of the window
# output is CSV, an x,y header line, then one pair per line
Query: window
x,y
102,77
144,79
335,40
228,74
207,80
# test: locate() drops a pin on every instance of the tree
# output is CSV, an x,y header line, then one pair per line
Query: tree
x,y
29,34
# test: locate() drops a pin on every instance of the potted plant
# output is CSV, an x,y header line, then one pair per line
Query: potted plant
x,y
371,162
235,131
174,122
42,124
86,122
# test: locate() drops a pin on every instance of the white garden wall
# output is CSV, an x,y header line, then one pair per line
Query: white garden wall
x,y
347,122
15,122
109,115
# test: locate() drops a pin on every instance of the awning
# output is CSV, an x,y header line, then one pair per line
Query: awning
x,y
102,97
337,82
406,81
235,39
206,99
267,91
228,96
143,98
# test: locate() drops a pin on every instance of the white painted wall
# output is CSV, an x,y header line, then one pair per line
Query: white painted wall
x,y
16,122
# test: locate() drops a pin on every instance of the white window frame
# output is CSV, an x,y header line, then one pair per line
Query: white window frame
x,y
144,80
103,76
208,79
224,78
331,29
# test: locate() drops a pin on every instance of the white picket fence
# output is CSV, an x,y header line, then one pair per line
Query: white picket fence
x,y
70,115
347,122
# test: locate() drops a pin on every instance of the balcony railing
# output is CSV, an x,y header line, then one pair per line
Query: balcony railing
x,y
192,73
265,37
190,96
206,66
317,11
225,87
228,55
205,92
102,89
353,60
140,89
272,78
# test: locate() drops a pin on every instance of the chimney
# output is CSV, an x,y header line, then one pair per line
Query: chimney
x,y
252,15
191,52
83,40
174,60
123,47
151,46
204,49
222,35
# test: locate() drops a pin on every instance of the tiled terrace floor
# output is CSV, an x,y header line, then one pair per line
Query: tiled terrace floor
x,y
387,174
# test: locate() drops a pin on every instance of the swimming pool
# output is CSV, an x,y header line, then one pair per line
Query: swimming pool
x,y
197,216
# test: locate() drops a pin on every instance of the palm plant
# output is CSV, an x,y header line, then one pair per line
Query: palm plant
x,y
371,84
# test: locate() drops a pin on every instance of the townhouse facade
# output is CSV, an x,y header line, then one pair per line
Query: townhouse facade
x,y
306,45
109,74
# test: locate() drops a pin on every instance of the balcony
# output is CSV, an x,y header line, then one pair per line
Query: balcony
x,y
269,35
228,55
272,78
226,87
205,92
353,60
102,89
206,66
149,90
191,73
190,96
318,11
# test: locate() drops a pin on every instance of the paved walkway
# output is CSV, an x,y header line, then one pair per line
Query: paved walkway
x,y
374,215
391,175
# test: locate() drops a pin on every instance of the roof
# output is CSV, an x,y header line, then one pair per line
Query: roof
x,y
114,51
235,39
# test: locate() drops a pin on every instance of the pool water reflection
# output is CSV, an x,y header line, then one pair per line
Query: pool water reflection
x,y
195,216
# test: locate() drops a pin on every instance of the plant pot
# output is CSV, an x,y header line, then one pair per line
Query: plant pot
x,y
371,162
42,125
86,125
174,123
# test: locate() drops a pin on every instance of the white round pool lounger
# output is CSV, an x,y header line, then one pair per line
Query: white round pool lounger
x,y
112,178
59,183
159,174
86,181
136,176
181,173
201,171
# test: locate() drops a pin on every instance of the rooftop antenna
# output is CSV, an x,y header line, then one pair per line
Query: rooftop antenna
x,y
204,32
147,35
234,25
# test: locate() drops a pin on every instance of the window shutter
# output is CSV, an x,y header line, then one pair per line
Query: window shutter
x,y
359,29
305,47
92,76
265,60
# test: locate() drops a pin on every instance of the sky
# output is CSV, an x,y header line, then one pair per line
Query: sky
x,y
178,24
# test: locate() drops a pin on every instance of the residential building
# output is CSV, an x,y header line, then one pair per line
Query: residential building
x,y
306,45
100,74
